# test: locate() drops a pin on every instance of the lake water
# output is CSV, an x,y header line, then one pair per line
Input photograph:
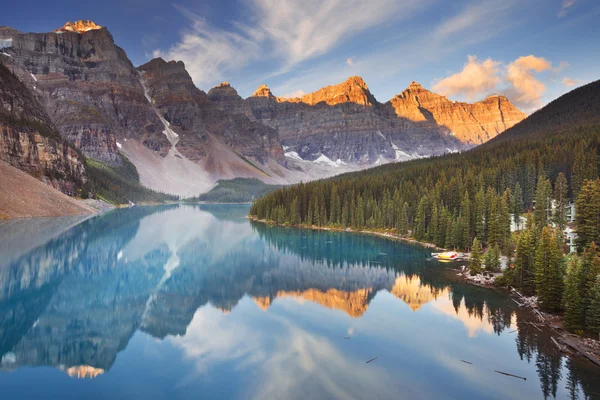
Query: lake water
x,y
188,302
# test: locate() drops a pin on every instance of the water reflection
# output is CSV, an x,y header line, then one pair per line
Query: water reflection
x,y
196,297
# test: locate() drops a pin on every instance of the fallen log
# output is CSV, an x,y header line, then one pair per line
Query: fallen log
x,y
507,374
582,351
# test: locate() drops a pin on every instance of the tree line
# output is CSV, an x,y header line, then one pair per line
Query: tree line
x,y
469,201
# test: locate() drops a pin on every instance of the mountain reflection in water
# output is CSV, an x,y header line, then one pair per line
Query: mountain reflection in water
x,y
200,300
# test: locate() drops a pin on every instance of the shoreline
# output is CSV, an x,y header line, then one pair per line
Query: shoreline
x,y
383,234
570,344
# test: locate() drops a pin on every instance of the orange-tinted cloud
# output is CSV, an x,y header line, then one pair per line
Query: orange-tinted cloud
x,y
518,80
476,78
568,82
524,89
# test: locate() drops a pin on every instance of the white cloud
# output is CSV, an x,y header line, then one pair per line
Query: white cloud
x,y
297,93
520,80
566,4
524,88
287,31
568,82
350,61
476,78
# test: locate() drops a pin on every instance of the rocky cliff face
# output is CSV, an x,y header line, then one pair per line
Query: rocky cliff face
x,y
30,142
88,86
190,111
175,133
345,122
471,123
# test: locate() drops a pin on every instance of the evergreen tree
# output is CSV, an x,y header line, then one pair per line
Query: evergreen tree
x,y
587,214
590,268
542,202
548,271
476,259
480,216
560,197
574,315
517,205
402,223
492,259
593,315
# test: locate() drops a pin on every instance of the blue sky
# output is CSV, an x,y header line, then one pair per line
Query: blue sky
x,y
531,50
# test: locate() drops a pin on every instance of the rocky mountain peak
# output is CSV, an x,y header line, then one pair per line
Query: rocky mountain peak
x,y
223,92
80,26
263,91
415,86
357,81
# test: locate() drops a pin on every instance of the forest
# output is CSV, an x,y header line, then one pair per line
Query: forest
x,y
526,177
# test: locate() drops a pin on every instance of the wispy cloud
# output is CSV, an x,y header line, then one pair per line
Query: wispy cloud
x,y
568,82
287,31
566,4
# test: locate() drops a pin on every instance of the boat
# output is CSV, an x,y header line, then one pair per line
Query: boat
x,y
448,256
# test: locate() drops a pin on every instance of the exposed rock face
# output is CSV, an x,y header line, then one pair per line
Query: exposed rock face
x,y
168,127
190,111
79,27
88,86
471,123
346,122
30,142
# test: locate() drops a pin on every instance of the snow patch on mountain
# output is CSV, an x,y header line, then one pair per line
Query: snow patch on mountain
x,y
293,155
5,43
323,159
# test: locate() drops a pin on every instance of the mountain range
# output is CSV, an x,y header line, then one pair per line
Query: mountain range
x,y
78,97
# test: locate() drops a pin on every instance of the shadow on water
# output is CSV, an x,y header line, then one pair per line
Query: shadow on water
x,y
76,299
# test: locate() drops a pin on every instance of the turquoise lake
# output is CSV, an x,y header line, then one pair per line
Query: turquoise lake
x,y
189,302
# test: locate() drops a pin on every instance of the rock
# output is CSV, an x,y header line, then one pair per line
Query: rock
x,y
346,122
30,142
472,124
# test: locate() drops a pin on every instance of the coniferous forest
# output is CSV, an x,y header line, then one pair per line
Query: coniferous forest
x,y
526,177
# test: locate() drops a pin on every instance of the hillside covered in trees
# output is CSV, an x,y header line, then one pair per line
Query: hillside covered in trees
x,y
238,190
455,201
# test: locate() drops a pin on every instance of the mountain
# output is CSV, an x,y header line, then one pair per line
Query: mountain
x,y
182,140
439,200
471,123
29,141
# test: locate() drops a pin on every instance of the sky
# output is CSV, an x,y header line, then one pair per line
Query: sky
x,y
532,51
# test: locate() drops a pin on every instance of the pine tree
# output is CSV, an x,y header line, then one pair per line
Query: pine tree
x,y
517,205
542,202
492,259
590,268
476,259
548,271
402,223
574,313
560,196
587,214
480,216
593,315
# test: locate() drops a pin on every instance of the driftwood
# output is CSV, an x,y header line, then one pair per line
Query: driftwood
x,y
507,374
580,350
467,362
372,359
561,348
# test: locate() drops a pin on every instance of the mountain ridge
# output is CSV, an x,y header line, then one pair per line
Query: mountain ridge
x,y
156,116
